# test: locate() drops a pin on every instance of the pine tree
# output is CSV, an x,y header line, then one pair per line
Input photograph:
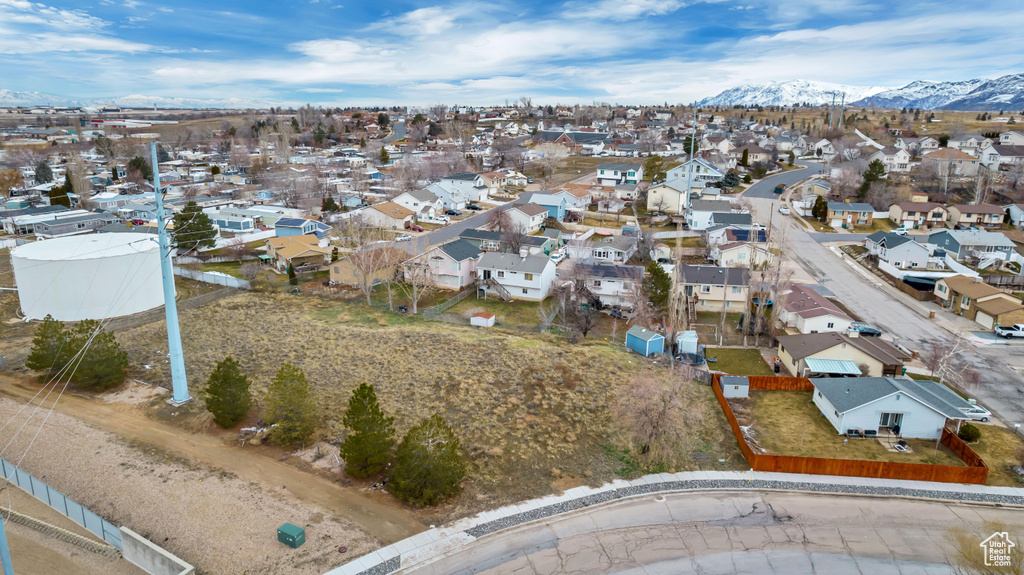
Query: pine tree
x,y
428,464
139,164
227,393
384,156
334,254
329,205
103,364
162,155
820,209
731,180
745,159
367,448
792,158
291,405
44,174
48,354
193,228
658,284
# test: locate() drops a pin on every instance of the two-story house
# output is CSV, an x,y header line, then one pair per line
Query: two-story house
x,y
998,157
672,195
950,162
701,213
453,264
527,217
697,170
978,301
894,159
842,214
555,204
711,288
918,214
1011,138
979,244
611,174
286,227
423,203
980,216
740,255
896,250
612,284
968,143
515,276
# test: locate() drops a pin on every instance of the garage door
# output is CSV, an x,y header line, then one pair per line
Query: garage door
x,y
985,320
837,222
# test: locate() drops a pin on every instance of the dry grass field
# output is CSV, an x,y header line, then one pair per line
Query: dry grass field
x,y
532,412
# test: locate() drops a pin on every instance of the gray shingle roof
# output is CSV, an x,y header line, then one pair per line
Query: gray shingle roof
x,y
731,218
534,264
850,393
460,250
644,334
851,207
611,271
711,206
713,275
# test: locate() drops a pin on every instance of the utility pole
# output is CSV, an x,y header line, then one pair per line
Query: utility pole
x,y
5,552
179,383
842,110
831,110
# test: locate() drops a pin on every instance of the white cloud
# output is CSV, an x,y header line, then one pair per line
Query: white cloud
x,y
31,28
622,9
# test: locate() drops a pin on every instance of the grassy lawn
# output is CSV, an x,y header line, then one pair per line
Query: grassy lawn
x,y
513,312
877,225
788,423
1001,449
687,242
738,361
818,226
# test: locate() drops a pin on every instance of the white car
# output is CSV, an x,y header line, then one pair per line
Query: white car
x,y
442,219
784,210
900,231
978,413
403,238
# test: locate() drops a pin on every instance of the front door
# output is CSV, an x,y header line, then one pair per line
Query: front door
x,y
487,274
891,420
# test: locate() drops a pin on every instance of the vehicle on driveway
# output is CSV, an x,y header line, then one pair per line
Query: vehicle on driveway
x,y
452,213
900,231
978,413
413,227
865,329
403,238
441,219
784,210
1008,331
473,207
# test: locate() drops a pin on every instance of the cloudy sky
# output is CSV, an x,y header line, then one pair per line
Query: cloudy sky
x,y
464,52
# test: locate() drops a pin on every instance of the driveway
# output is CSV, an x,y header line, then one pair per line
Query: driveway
x,y
906,319
766,187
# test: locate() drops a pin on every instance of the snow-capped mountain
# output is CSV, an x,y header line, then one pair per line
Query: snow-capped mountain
x,y
788,93
1005,93
12,98
921,94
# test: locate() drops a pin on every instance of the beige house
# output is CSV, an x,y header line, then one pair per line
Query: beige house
x,y
978,301
388,215
875,357
981,215
894,159
950,162
710,288
297,251
741,255
918,214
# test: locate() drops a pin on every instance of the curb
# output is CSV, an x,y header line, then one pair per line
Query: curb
x,y
425,547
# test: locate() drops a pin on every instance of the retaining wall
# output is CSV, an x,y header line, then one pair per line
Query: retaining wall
x,y
142,553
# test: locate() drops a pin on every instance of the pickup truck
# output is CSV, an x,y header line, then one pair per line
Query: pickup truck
x,y
1008,331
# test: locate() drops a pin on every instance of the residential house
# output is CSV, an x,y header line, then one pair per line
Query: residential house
x,y
612,284
1011,138
490,241
453,264
458,190
874,357
755,154
554,203
917,146
826,147
898,251
423,203
297,251
388,215
817,187
82,224
711,288
916,409
611,174
700,214
614,250
698,170
949,162
894,159
671,196
807,311
370,264
980,216
740,255
998,157
513,276
843,214
731,219
234,224
286,227
918,214
723,234
528,217
968,143
494,181
1016,214
979,244
974,299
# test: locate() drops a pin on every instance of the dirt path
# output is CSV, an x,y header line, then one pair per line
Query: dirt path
x,y
386,523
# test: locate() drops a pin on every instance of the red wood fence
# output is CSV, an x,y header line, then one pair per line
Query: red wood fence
x,y
975,472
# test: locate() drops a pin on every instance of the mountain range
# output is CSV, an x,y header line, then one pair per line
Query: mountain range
x,y
13,98
1004,93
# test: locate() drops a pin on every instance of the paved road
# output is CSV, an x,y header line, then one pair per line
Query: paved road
x,y
419,244
826,238
763,533
766,187
1002,385
399,132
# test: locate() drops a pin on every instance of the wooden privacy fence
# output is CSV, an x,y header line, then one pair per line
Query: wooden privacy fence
x,y
975,472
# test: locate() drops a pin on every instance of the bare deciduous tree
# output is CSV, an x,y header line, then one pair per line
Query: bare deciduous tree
x,y
548,155
513,239
417,280
655,415
499,220
650,141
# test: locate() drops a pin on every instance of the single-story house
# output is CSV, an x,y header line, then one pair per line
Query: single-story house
x,y
286,227
874,356
950,162
978,301
82,224
423,203
980,215
816,186
843,214
234,224
918,214
297,251
740,255
512,276
614,250
806,310
917,409
712,287
490,241
644,341
388,215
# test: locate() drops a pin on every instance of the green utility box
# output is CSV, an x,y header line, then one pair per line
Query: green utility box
x,y
291,535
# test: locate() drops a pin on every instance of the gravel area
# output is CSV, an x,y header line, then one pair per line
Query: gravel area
x,y
208,518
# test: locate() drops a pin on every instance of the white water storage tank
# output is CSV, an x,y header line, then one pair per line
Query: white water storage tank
x,y
93,276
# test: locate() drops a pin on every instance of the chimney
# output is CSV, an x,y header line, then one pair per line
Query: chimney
x,y
852,333
524,251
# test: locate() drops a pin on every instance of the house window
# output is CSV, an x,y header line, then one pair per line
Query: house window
x,y
819,394
526,291
501,274
705,289
603,254
597,283
728,304
830,325
528,277
737,290
743,256
837,413
337,270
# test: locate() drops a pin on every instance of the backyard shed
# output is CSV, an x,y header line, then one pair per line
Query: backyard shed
x,y
644,341
734,386
482,319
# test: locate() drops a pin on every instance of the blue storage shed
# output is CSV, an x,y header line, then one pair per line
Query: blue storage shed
x,y
644,341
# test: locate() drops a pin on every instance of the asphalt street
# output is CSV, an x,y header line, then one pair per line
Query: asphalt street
x,y
766,187
399,132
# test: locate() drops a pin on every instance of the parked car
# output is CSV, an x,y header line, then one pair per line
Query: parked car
x,y
403,238
529,180
1008,331
656,214
138,222
413,227
780,188
978,413
865,329
452,213
784,210
441,219
557,257
900,231
473,207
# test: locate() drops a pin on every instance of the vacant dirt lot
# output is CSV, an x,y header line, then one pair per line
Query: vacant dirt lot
x,y
532,412
205,516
